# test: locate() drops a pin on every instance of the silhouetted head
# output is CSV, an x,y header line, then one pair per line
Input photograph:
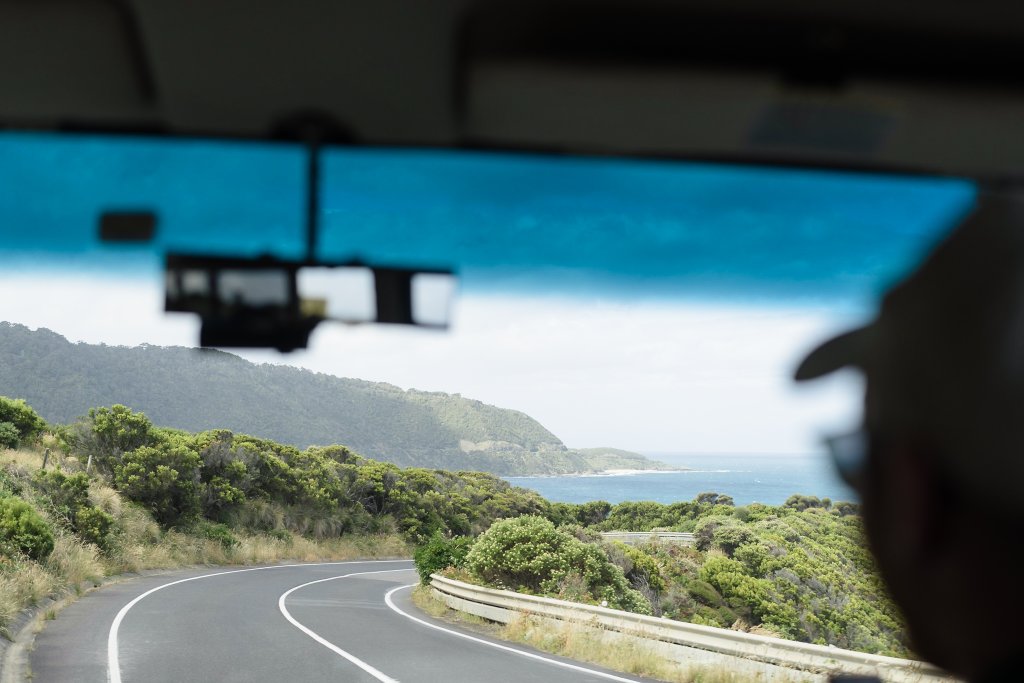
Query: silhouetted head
x,y
939,462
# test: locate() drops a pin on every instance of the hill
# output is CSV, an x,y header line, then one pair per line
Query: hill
x,y
196,390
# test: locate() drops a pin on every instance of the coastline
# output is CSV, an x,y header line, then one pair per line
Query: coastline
x,y
615,472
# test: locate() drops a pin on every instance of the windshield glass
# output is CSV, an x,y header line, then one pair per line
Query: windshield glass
x,y
512,222
619,362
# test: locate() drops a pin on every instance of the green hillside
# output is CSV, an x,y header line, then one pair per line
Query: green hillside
x,y
198,390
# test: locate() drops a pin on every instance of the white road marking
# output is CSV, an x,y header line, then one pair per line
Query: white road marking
x,y
376,673
113,662
524,653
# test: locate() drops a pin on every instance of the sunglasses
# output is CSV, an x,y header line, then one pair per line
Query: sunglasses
x,y
849,453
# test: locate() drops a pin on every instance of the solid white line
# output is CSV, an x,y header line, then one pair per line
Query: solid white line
x,y
113,662
376,673
524,653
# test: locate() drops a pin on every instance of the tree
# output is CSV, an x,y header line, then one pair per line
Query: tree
x,y
711,498
800,503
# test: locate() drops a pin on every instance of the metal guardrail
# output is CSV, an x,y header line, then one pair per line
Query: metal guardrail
x,y
500,605
632,537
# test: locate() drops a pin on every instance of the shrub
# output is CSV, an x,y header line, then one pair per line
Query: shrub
x,y
729,538
93,525
21,415
440,553
9,436
845,508
217,532
641,569
119,429
281,535
67,493
108,434
165,479
529,554
704,593
704,530
22,529
69,500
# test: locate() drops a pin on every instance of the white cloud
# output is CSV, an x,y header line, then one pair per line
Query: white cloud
x,y
648,376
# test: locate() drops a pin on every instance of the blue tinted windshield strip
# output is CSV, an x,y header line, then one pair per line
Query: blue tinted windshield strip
x,y
504,220
677,227
210,196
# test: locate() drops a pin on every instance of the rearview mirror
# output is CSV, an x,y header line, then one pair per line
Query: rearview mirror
x,y
274,303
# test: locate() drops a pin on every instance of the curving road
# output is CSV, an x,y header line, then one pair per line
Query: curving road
x,y
350,621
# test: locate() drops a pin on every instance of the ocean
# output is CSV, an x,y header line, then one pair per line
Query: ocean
x,y
764,478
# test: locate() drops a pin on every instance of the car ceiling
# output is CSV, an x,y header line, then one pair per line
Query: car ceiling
x,y
932,86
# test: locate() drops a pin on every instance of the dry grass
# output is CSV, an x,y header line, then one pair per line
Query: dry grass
x,y
105,498
173,549
23,584
73,562
585,644
22,463
423,598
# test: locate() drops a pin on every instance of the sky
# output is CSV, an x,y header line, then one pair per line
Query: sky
x,y
650,305
649,376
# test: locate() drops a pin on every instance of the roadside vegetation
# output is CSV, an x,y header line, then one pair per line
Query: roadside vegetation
x,y
799,571
118,494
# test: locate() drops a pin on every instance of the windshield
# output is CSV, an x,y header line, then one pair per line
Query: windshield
x,y
622,347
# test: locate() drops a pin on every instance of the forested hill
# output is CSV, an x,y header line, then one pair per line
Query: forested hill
x,y
202,389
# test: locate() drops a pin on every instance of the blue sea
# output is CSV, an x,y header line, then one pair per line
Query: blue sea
x,y
764,478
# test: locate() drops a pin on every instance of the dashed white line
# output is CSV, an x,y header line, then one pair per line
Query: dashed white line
x,y
113,662
506,648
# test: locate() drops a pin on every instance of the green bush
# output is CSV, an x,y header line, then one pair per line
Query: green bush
x,y
108,433
23,530
69,500
93,525
10,486
67,493
217,532
22,416
641,569
704,593
440,553
9,436
165,479
729,538
529,554
281,535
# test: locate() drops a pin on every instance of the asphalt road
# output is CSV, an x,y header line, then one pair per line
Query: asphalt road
x,y
333,622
